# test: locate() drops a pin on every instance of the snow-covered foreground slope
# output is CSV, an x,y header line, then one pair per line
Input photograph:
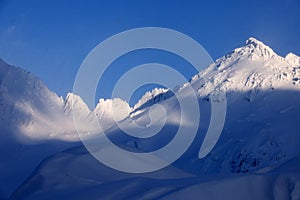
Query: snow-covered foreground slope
x,y
75,174
256,157
279,183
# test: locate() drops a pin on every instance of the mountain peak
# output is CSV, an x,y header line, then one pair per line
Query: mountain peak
x,y
252,67
261,48
255,50
292,59
74,102
255,42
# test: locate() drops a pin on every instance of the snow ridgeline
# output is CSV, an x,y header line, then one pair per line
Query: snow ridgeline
x,y
26,104
38,112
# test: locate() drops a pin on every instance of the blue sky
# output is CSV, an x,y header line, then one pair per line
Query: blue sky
x,y
51,38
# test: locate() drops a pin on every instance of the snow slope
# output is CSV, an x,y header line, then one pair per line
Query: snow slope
x,y
63,177
256,157
26,103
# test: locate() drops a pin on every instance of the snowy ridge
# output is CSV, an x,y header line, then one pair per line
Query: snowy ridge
x,y
27,103
29,106
152,97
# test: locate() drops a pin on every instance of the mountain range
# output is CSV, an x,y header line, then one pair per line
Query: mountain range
x,y
256,157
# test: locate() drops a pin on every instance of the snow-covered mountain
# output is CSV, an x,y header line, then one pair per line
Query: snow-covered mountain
x,y
35,123
263,94
27,104
254,66
256,157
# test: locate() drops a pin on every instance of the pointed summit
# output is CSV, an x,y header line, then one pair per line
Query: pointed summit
x,y
292,59
254,41
255,49
74,103
254,66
